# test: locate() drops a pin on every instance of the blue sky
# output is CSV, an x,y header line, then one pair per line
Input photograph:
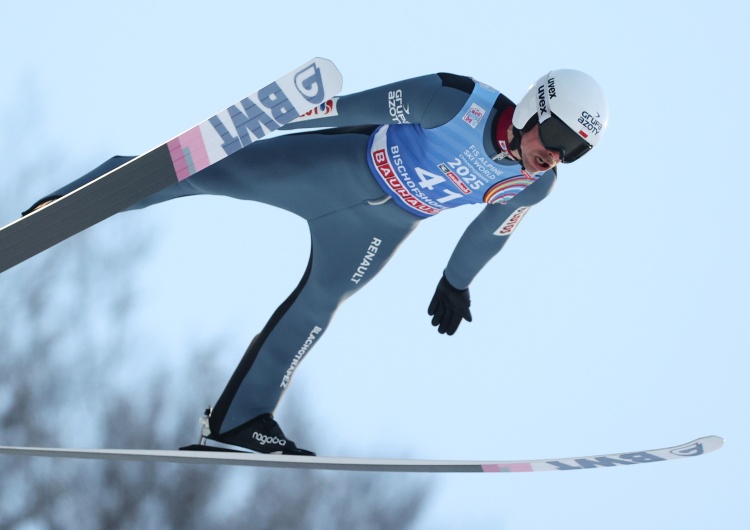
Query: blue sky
x,y
615,318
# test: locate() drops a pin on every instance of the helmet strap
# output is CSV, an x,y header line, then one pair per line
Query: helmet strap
x,y
515,143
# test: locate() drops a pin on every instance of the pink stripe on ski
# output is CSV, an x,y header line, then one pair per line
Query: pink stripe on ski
x,y
507,468
188,152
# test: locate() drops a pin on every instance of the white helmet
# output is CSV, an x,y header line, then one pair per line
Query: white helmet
x,y
571,110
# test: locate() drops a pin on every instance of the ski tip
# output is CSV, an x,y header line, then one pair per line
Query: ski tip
x,y
700,446
322,62
712,443
334,78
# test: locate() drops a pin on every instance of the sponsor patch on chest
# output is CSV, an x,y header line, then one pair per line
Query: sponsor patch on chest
x,y
474,115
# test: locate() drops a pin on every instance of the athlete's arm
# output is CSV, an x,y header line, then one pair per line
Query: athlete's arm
x,y
481,241
429,100
489,232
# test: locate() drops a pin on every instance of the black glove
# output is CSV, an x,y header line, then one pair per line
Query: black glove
x,y
448,307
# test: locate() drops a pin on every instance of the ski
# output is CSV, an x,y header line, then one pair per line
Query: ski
x,y
199,454
301,91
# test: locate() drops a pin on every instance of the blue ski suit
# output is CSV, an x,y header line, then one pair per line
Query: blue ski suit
x,y
384,160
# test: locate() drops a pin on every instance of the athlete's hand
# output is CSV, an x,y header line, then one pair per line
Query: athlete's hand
x,y
449,307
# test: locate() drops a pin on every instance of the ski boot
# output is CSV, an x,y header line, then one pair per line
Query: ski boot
x,y
261,435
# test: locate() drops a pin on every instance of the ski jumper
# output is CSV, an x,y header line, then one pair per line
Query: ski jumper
x,y
386,159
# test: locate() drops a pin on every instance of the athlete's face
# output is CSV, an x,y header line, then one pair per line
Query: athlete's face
x,y
535,157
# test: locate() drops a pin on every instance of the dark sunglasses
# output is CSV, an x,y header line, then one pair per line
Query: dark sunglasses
x,y
557,136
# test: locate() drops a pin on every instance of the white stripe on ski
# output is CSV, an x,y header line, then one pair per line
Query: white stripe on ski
x,y
695,448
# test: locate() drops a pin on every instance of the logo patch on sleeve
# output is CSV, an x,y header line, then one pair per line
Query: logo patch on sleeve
x,y
511,222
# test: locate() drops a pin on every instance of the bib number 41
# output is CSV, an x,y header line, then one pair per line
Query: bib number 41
x,y
429,181
457,173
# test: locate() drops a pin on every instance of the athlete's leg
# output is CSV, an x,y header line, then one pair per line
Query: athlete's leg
x,y
349,247
309,174
113,163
